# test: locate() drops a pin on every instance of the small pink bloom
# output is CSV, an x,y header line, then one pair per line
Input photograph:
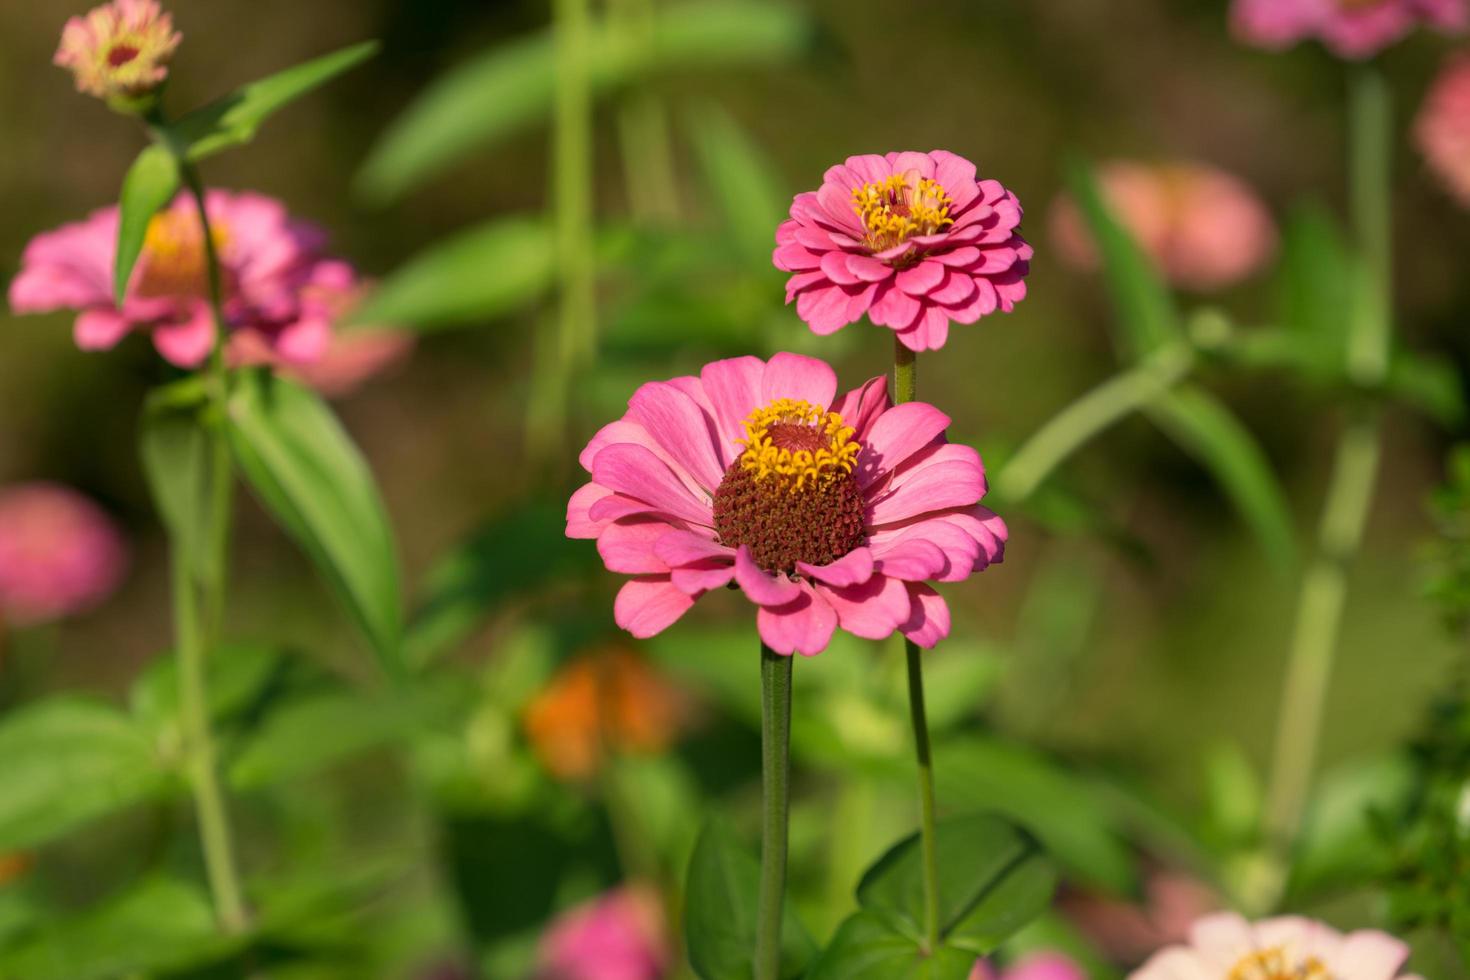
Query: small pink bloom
x,y
1225,946
59,554
279,287
824,511
1203,228
619,936
120,49
911,240
1126,931
1350,28
1038,966
1442,129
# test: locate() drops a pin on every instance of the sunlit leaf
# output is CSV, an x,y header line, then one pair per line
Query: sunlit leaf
x,y
151,182
306,471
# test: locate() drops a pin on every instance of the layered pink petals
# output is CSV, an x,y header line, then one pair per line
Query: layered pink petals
x,y
1224,943
655,471
1350,30
967,267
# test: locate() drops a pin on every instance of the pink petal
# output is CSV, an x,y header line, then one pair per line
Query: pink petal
x,y
636,472
872,610
188,343
678,548
763,588
958,258
627,546
896,435
796,376
911,557
861,407
1369,955
648,606
958,287
853,568
100,329
794,257
918,280
802,280
825,309
616,506
894,308
834,266
928,621
579,523
681,427
869,270
943,485
700,577
734,390
802,626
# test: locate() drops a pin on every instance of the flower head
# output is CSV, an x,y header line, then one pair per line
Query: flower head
x,y
824,511
1172,901
281,292
619,936
1039,966
59,554
119,50
1203,228
1227,947
611,698
1442,128
1350,28
912,240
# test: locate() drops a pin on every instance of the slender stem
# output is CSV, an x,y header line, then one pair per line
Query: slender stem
x,y
905,388
776,805
643,131
1349,496
1089,415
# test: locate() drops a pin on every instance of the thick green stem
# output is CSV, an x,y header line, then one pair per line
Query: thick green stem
x,y
1349,496
776,805
1089,415
905,388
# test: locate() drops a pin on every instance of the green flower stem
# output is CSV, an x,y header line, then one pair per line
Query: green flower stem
x,y
643,131
1074,426
776,807
905,385
1349,495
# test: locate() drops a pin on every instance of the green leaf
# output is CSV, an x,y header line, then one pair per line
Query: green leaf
x,y
720,914
238,677
509,88
151,182
1144,307
69,761
868,948
1316,283
1206,429
993,879
309,475
477,275
312,734
740,176
235,118
1338,844
1430,384
177,450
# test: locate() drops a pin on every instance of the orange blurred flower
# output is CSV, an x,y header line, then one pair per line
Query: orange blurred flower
x,y
611,699
13,867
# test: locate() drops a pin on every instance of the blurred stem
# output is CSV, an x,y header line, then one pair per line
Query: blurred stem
x,y
1089,415
643,131
905,386
1349,494
775,810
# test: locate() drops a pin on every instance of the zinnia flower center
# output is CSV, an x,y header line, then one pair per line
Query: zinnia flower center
x,y
174,261
899,208
791,496
1272,964
121,54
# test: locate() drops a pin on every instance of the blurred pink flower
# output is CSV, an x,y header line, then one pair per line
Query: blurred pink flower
x,y
120,49
825,511
912,240
280,290
1225,946
619,936
1038,966
1203,228
1350,28
1442,129
1128,931
59,554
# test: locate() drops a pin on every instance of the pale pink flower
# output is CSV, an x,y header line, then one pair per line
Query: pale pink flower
x,y
60,555
1442,128
911,240
824,511
1038,966
1227,947
120,49
279,288
619,936
1204,228
1350,28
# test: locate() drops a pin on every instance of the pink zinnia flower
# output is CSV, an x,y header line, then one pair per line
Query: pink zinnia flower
x,y
1350,28
619,936
1227,947
1039,966
1172,902
1442,129
912,240
825,511
279,288
120,49
59,554
1204,228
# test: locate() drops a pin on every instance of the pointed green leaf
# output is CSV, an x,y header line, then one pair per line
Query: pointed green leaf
x,y
720,914
306,471
867,948
150,184
235,118
1147,318
1206,429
